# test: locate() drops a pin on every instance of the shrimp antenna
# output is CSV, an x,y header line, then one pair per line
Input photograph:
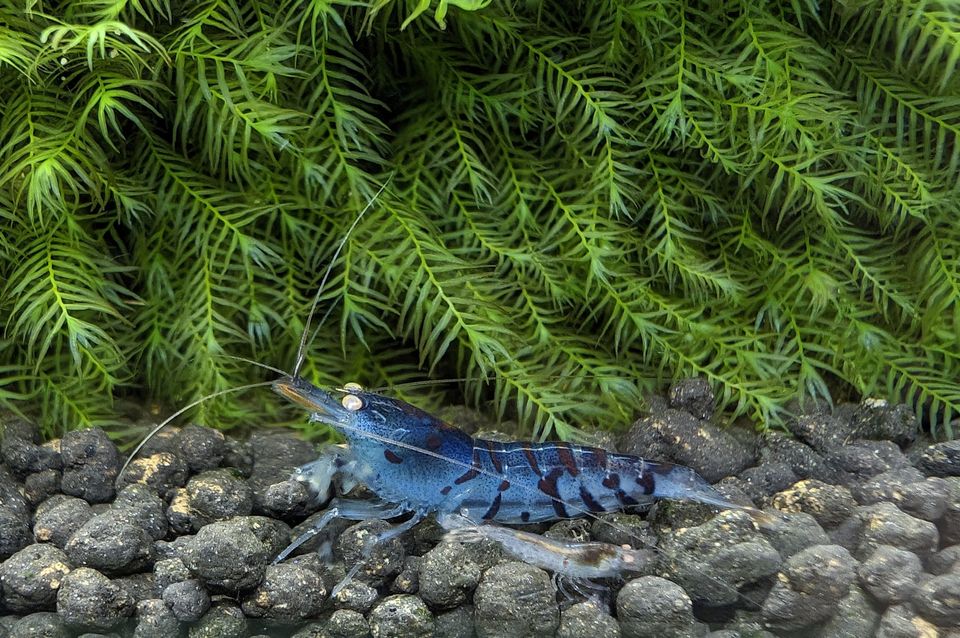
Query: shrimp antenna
x,y
301,350
176,414
234,357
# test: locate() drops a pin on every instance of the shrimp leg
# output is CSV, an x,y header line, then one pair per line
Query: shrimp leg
x,y
349,509
385,535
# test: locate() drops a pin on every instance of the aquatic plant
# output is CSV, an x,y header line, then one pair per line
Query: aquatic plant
x,y
584,199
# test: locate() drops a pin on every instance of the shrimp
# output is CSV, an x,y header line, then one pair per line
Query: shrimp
x,y
417,464
578,561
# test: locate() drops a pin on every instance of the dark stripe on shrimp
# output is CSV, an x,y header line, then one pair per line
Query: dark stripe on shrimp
x,y
473,472
524,516
494,508
567,459
589,501
445,490
469,475
646,481
434,441
626,499
393,458
600,457
504,486
494,457
611,482
532,460
548,485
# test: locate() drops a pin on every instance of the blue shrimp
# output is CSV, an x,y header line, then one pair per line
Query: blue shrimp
x,y
414,462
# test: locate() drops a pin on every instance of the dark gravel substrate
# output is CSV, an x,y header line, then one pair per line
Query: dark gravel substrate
x,y
869,544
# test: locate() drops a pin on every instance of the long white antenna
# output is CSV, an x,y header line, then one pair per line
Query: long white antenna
x,y
302,350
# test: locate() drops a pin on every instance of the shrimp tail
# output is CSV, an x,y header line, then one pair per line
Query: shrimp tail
x,y
682,483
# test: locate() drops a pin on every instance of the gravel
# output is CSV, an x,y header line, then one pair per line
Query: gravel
x,y
88,600
90,465
809,587
829,504
866,541
890,574
31,578
228,555
515,599
653,607
587,620
401,616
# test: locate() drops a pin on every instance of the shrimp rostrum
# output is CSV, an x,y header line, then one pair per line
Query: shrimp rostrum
x,y
415,463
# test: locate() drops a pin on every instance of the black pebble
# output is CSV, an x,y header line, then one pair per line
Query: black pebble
x,y
202,448
58,517
40,486
31,577
42,624
87,600
90,465
188,600
155,620
941,459
231,555
288,594
113,542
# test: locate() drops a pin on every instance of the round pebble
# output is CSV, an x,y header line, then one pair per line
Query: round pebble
x,y
58,518
515,599
941,459
587,620
142,507
356,595
381,561
886,524
456,623
223,620
42,624
901,621
202,448
715,560
87,600
938,599
653,607
445,588
229,555
829,504
400,616
289,593
90,465
112,542
809,587
40,486
14,532
161,472
890,574
31,578
679,437
215,495
187,599
155,620
855,616
345,623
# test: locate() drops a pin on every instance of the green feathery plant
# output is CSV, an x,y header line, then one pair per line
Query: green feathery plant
x,y
585,199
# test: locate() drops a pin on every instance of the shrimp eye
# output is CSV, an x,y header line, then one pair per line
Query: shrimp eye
x,y
351,402
353,387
